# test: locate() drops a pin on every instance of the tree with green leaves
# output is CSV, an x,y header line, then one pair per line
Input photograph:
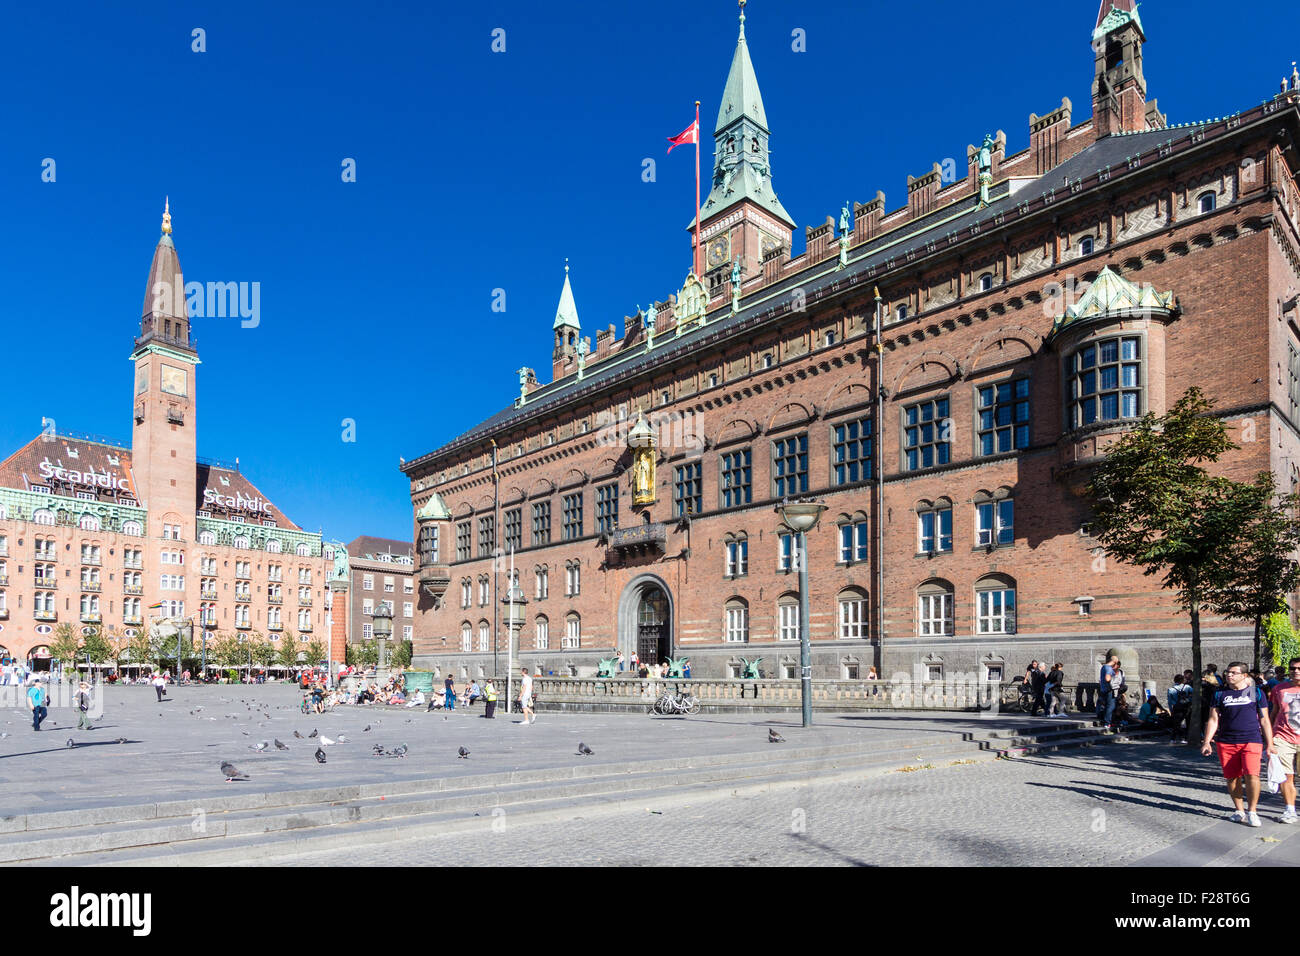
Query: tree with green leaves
x,y
140,647
96,647
1156,507
226,650
368,653
402,654
1261,559
316,653
288,653
264,652
1283,641
66,644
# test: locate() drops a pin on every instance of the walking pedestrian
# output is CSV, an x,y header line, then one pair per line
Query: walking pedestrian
x,y
1106,692
1054,692
159,685
526,697
1239,719
1038,681
449,693
36,701
83,706
1179,697
1284,713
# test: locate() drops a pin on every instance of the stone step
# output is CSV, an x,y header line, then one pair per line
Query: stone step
x,y
237,816
1090,738
261,848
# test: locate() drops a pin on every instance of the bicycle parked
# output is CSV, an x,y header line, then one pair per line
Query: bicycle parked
x,y
669,704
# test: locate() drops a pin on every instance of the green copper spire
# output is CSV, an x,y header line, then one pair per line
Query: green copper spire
x,y
741,166
566,313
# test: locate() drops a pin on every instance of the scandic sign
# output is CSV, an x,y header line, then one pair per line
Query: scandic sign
x,y
107,479
239,501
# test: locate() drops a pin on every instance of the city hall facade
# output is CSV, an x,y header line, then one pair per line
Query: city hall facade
x,y
941,375
103,535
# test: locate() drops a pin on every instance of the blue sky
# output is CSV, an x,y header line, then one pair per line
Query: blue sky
x,y
475,171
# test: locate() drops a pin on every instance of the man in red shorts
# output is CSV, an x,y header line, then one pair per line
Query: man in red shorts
x,y
1239,718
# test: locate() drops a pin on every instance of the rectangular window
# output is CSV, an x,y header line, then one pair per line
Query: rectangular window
x,y
543,634
408,609
1003,412
367,605
462,541
935,531
735,479
789,619
737,624
487,536
606,508
572,579
514,529
738,558
995,522
542,523
389,586
543,584
368,582
572,516
466,593
935,614
997,611
1106,381
927,434
688,489
573,632
408,631
484,591
851,454
790,466
853,542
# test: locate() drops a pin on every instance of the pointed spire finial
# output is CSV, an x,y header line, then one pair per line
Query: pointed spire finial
x,y
566,265
167,216
742,19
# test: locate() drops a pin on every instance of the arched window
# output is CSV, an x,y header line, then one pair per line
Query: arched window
x,y
207,538
900,313
853,538
1086,245
737,545
43,516
466,637
1207,202
852,614
737,610
484,637
787,616
986,282
934,609
572,630
767,360
241,543
88,523
274,546
934,526
132,528
543,641
304,550
995,604
4,512
753,145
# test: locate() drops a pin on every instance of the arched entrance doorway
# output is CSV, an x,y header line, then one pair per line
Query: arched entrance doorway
x,y
645,620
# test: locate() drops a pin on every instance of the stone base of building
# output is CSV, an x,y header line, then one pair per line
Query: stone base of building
x,y
1144,656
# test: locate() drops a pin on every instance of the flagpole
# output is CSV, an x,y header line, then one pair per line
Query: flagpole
x,y
697,188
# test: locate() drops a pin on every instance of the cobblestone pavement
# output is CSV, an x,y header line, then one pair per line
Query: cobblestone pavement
x,y
1142,798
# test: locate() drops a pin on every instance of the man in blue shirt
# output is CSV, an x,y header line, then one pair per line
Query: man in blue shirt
x,y
36,700
1239,719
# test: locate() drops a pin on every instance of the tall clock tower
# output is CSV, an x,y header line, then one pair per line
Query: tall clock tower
x,y
742,218
163,444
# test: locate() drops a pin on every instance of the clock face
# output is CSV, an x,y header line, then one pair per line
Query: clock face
x,y
719,251
768,243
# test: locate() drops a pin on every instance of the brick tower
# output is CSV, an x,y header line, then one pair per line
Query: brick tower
x,y
1119,89
741,218
163,445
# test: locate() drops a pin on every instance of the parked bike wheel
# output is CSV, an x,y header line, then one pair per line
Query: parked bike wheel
x,y
692,705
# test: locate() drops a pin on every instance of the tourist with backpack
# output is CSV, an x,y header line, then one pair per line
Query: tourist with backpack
x,y
1240,723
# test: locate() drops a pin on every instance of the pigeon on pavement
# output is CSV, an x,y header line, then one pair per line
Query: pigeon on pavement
x,y
320,755
378,750
312,734
232,772
298,735
70,744
399,750
365,728
463,753
773,737
584,749
121,740
280,744
342,739
326,742
258,747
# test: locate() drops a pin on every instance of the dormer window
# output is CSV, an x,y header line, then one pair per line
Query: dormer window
x,y
986,282
1086,245
1207,202
900,313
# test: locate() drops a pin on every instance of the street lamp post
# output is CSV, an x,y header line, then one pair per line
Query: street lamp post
x,y
383,625
801,517
515,604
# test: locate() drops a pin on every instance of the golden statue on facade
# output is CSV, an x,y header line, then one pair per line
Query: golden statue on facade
x,y
641,439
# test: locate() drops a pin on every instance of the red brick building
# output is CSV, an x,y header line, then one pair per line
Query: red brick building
x,y
940,374
95,533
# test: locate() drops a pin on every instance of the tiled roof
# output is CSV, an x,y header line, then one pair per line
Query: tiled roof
x,y
367,545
